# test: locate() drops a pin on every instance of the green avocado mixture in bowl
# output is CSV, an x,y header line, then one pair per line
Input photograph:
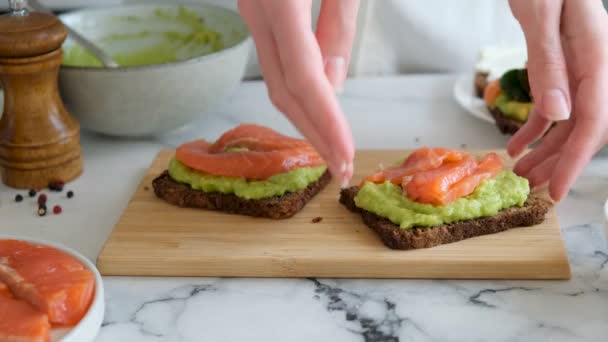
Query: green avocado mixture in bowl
x,y
162,36
175,64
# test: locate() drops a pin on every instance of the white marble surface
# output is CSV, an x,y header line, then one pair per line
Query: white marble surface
x,y
401,112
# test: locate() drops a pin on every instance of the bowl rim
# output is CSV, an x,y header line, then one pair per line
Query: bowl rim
x,y
97,306
245,41
606,209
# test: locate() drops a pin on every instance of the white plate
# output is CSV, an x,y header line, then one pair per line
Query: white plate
x,y
464,94
88,328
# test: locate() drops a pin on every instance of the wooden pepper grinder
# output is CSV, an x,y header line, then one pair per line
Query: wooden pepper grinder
x,y
39,139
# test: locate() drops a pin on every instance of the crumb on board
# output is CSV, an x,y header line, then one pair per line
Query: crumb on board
x,y
463,146
416,139
317,219
146,188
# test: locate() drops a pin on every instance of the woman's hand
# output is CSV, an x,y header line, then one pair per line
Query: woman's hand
x,y
303,69
567,44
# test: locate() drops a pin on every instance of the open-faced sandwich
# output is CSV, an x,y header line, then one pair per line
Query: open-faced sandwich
x,y
495,60
509,100
438,196
250,170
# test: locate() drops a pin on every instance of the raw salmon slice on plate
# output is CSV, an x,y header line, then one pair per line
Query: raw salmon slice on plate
x,y
52,281
21,322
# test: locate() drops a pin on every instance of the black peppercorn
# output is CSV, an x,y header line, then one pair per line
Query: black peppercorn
x,y
70,194
18,198
42,211
32,193
56,186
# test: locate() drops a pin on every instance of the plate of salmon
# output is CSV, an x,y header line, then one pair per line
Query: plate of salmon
x,y
48,293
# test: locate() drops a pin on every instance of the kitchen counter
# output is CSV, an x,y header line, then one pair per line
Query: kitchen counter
x,y
399,112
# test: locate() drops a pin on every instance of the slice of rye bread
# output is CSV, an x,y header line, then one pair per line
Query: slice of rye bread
x,y
532,213
480,82
277,207
505,124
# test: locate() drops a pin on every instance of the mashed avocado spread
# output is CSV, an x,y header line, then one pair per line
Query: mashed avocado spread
x,y
387,200
172,36
513,109
276,185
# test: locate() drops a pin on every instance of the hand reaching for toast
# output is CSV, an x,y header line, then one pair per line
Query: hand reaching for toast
x,y
303,69
567,65
568,71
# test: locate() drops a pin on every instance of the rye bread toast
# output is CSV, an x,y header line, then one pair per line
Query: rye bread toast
x,y
505,124
532,213
480,82
277,207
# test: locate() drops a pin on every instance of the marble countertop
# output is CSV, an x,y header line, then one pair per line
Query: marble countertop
x,y
399,112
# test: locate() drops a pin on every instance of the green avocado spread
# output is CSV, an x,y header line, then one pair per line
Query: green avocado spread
x,y
492,195
276,185
163,37
513,109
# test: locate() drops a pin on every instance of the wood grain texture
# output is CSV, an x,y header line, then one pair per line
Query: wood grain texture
x,y
157,239
39,139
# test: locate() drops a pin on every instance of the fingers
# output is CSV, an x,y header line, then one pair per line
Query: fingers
x,y
587,135
273,76
540,21
549,146
292,65
542,172
531,131
335,33
305,80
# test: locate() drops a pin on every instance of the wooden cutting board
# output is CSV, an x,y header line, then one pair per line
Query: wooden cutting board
x,y
157,239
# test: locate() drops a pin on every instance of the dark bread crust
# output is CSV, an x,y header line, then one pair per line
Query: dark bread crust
x,y
505,124
480,82
532,213
278,207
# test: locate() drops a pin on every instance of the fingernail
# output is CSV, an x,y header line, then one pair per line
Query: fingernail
x,y
344,174
555,106
335,69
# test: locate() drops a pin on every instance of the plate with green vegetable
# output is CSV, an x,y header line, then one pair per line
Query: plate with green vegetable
x,y
464,94
507,101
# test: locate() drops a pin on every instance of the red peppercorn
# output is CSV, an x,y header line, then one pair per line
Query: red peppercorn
x,y
41,199
57,210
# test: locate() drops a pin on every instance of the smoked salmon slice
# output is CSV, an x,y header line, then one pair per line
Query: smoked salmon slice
x,y
52,281
452,180
266,153
488,168
20,322
4,291
423,159
429,186
439,176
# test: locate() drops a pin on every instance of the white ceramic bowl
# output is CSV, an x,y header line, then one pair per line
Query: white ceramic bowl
x,y
88,328
151,99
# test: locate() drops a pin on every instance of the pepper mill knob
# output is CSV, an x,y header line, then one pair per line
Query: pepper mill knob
x,y
39,139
